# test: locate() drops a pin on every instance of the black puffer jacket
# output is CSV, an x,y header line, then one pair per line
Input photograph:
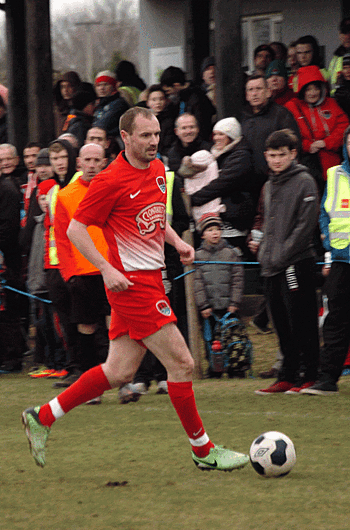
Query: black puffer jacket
x,y
234,185
178,151
218,286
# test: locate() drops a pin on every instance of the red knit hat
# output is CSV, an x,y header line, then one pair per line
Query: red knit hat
x,y
207,220
45,186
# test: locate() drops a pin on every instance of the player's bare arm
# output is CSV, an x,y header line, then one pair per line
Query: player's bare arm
x,y
114,280
186,251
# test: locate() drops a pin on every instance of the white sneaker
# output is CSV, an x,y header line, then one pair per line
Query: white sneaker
x,y
126,394
139,388
162,387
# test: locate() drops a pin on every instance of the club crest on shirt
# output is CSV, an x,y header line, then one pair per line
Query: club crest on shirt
x,y
149,216
161,184
163,307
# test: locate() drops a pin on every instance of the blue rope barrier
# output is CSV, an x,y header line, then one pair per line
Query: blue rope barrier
x,y
226,263
4,286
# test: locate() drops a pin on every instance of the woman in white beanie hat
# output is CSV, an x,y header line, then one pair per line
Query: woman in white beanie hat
x,y
234,182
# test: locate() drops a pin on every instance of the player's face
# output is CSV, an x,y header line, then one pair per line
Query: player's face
x,y
29,157
91,161
142,144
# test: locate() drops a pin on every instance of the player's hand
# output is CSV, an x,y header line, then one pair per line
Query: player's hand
x,y
186,252
114,280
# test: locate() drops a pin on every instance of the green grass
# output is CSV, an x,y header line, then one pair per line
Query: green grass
x,y
144,444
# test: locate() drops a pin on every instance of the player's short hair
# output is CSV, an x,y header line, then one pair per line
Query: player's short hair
x,y
282,138
127,120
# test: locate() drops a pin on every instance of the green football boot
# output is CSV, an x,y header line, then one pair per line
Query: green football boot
x,y
221,459
37,434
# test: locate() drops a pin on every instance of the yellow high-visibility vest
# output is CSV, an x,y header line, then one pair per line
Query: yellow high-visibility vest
x,y
337,206
170,178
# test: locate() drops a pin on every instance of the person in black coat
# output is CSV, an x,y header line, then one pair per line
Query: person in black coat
x,y
234,183
262,117
188,98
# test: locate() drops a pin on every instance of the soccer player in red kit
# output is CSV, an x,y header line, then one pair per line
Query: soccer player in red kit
x,y
128,202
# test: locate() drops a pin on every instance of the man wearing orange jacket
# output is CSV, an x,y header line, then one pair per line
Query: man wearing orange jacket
x,y
89,305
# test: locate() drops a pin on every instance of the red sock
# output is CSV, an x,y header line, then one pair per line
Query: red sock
x,y
91,384
182,398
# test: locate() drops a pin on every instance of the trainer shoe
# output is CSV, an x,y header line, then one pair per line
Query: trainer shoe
x,y
126,394
38,374
37,434
221,459
139,388
57,374
321,388
162,387
277,388
67,380
298,389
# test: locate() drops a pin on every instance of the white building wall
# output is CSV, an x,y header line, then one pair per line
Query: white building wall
x,y
163,23
319,18
166,23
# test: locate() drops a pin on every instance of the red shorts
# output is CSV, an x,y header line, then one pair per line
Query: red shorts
x,y
142,309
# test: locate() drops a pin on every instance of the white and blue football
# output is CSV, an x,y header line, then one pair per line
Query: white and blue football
x,y
272,454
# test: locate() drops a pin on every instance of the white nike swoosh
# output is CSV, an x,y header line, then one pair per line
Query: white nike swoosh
x,y
133,195
196,433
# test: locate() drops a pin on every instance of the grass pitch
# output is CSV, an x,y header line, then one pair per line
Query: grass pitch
x,y
128,467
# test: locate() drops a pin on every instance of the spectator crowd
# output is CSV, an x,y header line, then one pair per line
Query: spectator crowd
x,y
250,187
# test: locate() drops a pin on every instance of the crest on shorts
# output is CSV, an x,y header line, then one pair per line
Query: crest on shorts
x,y
163,307
161,184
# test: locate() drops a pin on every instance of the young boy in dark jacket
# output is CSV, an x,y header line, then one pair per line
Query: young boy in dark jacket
x,y
217,288
286,257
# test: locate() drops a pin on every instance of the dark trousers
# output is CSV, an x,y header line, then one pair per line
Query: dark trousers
x,y
336,328
291,297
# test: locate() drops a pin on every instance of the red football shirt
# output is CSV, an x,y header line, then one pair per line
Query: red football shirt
x,y
129,204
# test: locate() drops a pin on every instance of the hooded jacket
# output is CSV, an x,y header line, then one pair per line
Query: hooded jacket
x,y
50,214
290,219
108,112
324,120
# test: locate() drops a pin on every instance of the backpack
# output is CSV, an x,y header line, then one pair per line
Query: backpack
x,y
228,345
